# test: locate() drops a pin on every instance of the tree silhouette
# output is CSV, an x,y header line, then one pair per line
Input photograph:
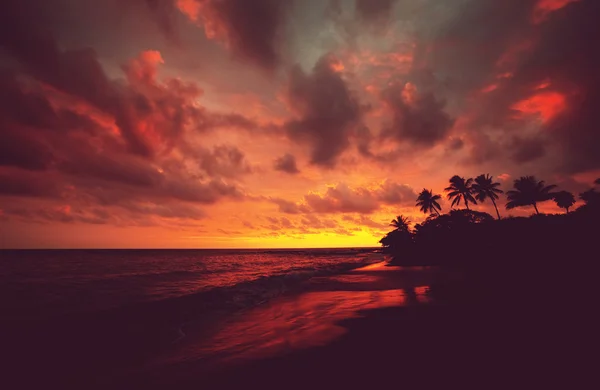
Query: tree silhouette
x,y
460,189
590,196
401,223
528,192
564,200
597,182
400,239
428,202
485,188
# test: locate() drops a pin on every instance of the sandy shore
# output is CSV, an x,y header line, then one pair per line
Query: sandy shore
x,y
380,327
299,332
375,326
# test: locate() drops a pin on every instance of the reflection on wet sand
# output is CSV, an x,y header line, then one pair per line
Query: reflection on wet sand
x,y
310,318
304,321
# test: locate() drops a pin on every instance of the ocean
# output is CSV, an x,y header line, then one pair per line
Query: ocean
x,y
39,284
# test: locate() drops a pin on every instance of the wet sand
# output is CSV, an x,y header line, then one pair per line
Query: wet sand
x,y
383,327
329,314
376,326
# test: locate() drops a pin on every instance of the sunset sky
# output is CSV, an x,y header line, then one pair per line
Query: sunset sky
x,y
281,123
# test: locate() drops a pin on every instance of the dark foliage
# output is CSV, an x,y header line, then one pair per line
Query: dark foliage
x,y
529,192
460,189
485,188
564,200
428,202
473,239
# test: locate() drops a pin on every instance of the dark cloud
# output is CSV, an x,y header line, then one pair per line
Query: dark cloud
x,y
251,29
312,222
329,112
374,11
100,143
455,144
164,14
286,163
288,207
418,118
396,194
536,65
29,184
344,199
527,149
19,149
223,161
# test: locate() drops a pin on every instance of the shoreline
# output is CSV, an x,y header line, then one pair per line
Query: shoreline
x,y
311,319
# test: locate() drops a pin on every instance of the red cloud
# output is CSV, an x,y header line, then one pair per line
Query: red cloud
x,y
544,8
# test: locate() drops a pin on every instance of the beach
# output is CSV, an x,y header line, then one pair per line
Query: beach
x,y
382,326
332,320
375,325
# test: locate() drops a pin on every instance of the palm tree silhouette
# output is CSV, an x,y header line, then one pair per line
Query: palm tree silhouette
x,y
401,223
460,189
484,188
428,202
528,192
564,200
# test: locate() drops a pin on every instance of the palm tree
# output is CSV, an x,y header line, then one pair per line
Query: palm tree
x,y
484,188
401,223
564,200
428,202
528,191
460,189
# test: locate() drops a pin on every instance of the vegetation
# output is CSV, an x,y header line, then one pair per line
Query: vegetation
x,y
485,188
428,202
564,200
472,237
529,192
460,189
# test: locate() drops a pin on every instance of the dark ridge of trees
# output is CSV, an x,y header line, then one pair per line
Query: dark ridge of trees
x,y
471,238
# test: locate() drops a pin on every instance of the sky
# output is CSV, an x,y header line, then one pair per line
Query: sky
x,y
281,123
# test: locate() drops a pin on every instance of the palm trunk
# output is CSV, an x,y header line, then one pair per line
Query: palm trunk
x,y
438,213
536,209
467,204
496,207
567,210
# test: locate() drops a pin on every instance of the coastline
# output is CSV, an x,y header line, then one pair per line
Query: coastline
x,y
318,318
460,333
421,327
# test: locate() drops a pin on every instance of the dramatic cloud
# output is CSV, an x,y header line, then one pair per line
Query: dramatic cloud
x,y
417,118
223,161
251,29
193,118
342,198
286,163
328,111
